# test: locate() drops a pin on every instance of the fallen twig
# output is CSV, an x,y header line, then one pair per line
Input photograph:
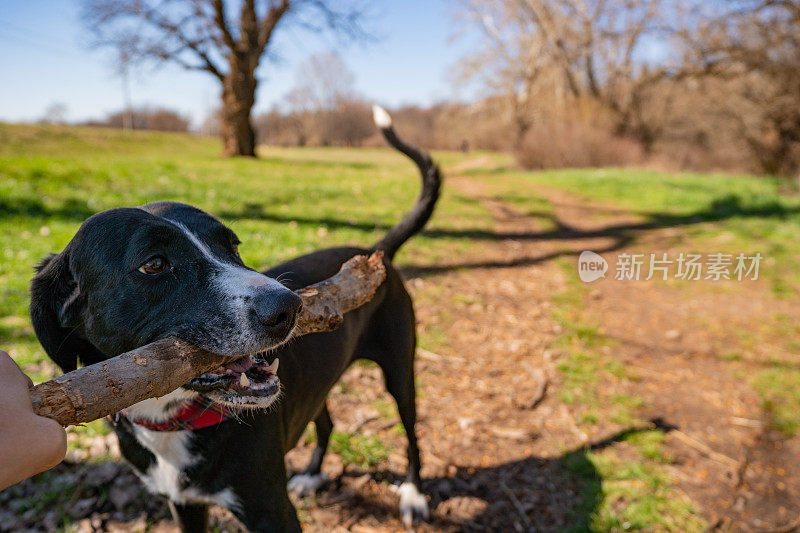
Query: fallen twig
x,y
705,449
430,356
512,433
98,390
786,528
747,422
360,425
517,505
541,388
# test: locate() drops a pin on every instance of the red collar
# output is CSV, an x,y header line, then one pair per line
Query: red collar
x,y
197,414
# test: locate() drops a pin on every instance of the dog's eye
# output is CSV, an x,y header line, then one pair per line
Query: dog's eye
x,y
154,265
236,250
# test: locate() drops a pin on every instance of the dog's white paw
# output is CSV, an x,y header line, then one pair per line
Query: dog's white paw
x,y
305,484
412,504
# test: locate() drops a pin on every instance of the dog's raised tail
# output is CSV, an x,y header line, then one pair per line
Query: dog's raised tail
x,y
415,220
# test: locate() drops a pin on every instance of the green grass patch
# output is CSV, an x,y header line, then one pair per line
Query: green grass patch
x,y
357,449
731,356
627,488
309,435
386,408
779,389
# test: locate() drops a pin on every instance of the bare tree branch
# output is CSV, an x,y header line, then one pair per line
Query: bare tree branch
x,y
222,24
198,35
270,22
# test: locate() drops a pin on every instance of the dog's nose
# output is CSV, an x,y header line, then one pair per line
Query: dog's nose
x,y
276,310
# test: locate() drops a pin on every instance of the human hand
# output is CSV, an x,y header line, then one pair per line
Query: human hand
x,y
29,443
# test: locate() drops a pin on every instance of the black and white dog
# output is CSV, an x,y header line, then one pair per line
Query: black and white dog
x,y
131,276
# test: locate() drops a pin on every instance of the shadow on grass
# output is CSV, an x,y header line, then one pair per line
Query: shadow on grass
x,y
719,209
314,163
70,209
722,208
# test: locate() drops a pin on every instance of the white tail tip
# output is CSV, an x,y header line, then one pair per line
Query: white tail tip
x,y
381,117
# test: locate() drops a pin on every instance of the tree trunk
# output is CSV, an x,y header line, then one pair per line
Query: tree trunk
x,y
238,97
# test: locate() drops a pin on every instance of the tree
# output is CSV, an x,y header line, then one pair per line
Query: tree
x,y
578,50
200,35
55,113
323,106
323,81
754,45
157,119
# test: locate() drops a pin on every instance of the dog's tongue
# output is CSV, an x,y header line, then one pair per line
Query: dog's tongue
x,y
241,365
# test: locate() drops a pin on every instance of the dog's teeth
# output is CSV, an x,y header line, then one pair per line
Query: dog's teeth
x,y
274,366
243,381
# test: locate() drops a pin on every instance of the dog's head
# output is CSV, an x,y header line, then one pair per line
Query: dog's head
x,y
131,276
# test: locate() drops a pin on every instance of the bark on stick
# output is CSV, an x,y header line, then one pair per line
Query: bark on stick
x,y
98,390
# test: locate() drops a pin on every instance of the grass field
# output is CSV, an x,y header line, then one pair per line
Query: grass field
x,y
291,201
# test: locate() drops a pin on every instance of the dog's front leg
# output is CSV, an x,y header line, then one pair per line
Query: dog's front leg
x,y
275,515
191,517
264,504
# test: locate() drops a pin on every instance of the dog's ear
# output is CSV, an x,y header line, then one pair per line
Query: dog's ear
x,y
56,312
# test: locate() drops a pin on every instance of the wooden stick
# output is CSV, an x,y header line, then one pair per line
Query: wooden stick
x,y
98,390
704,449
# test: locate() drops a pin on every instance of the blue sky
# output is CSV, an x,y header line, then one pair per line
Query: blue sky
x,y
45,58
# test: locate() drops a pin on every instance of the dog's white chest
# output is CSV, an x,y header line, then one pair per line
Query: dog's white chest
x,y
166,476
172,458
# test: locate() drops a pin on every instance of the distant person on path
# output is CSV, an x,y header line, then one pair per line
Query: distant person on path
x,y
29,443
